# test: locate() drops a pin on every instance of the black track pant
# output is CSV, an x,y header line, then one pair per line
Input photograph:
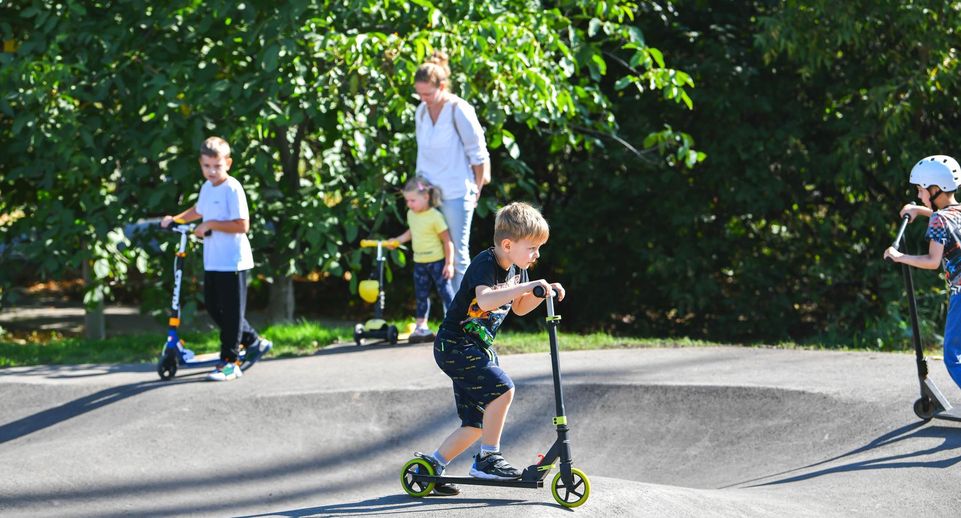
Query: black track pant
x,y
225,294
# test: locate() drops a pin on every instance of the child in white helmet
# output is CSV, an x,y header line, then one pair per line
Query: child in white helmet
x,y
937,178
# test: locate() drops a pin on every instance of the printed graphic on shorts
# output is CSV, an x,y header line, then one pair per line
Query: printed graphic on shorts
x,y
945,228
483,325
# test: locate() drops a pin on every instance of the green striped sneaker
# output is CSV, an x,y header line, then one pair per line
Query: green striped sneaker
x,y
225,372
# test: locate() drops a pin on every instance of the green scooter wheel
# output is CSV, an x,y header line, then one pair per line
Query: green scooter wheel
x,y
416,488
574,495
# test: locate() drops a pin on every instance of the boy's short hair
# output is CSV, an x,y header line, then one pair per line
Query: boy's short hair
x,y
215,147
518,221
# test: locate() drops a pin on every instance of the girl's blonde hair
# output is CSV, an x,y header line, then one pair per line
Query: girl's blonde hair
x,y
434,71
419,184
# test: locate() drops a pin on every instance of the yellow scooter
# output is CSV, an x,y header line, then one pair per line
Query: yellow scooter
x,y
372,292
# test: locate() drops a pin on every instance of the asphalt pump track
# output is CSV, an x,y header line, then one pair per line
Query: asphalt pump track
x,y
663,432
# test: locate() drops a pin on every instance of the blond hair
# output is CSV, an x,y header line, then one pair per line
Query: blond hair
x,y
434,71
215,147
420,185
518,221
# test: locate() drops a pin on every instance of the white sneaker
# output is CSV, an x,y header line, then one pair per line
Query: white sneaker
x,y
230,371
422,331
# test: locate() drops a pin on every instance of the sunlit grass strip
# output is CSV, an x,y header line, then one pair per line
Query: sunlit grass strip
x,y
307,337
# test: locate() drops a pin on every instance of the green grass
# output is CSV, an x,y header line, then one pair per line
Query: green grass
x,y
305,338
295,339
515,343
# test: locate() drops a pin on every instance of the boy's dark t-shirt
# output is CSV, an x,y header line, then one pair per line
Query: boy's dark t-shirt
x,y
465,320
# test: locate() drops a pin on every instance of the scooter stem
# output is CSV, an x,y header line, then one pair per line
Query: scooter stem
x,y
899,243
552,322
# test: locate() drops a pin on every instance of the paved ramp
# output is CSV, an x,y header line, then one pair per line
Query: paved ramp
x,y
705,432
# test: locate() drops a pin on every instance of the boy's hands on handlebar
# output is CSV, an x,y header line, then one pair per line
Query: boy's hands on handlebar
x,y
892,254
914,211
202,229
166,221
550,289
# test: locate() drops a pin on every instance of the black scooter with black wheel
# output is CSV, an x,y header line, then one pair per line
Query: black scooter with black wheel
x,y
932,404
570,486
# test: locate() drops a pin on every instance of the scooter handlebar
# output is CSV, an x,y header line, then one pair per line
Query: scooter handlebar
x,y
539,292
904,225
180,226
372,243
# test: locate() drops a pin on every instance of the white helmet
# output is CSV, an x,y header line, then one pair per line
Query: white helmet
x,y
937,170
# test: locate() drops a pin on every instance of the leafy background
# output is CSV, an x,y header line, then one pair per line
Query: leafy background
x,y
722,170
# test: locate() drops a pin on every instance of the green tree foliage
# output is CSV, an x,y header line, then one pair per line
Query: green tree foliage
x,y
104,103
812,113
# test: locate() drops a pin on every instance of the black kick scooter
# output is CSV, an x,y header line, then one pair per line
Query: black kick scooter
x,y
932,403
570,487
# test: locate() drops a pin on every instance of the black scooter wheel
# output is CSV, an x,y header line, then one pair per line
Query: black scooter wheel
x,y
359,334
167,366
924,408
416,488
576,494
392,334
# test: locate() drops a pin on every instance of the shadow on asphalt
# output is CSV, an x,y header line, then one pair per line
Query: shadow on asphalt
x,y
53,416
950,440
152,492
65,372
344,348
403,505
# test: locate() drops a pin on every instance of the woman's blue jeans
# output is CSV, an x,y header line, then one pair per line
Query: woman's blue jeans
x,y
459,212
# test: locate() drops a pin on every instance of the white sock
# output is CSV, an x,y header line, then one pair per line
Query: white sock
x,y
487,450
441,461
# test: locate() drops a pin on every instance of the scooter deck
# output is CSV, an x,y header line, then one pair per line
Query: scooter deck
x,y
952,414
530,484
948,412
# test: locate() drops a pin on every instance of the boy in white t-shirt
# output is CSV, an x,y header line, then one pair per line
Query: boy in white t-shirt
x,y
227,258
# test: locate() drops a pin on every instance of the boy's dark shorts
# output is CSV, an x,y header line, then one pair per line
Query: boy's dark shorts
x,y
476,373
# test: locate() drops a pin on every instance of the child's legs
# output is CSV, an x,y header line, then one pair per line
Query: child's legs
x,y
458,441
211,298
480,387
227,293
422,292
458,213
952,339
494,416
444,288
248,335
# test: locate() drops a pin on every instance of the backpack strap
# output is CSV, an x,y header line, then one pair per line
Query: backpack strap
x,y
453,119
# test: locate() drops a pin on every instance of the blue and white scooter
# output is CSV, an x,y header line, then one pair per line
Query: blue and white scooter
x,y
174,354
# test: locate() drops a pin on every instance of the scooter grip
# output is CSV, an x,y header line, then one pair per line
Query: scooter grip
x,y
368,243
539,292
209,233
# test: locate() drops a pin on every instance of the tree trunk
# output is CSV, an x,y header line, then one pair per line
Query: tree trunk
x,y
94,323
281,300
282,289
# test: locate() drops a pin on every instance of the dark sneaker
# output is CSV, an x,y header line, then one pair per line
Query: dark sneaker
x,y
445,490
257,351
440,488
493,467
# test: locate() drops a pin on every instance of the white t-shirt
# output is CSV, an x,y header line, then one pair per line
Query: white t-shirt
x,y
443,156
225,251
